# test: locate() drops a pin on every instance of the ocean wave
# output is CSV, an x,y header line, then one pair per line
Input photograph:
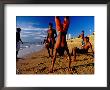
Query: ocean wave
x,y
29,49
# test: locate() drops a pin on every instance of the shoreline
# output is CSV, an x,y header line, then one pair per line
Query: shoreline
x,y
27,51
76,42
39,62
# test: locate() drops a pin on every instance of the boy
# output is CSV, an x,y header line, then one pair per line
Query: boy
x,y
84,49
61,44
50,38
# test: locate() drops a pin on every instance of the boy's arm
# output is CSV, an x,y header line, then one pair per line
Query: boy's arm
x,y
47,34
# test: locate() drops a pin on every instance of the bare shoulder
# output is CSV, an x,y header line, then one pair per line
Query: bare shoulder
x,y
90,44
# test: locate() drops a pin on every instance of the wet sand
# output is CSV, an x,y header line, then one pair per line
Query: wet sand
x,y
39,62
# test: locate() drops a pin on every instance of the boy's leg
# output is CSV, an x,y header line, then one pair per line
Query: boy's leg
x,y
52,47
67,50
48,52
47,47
53,61
74,53
52,51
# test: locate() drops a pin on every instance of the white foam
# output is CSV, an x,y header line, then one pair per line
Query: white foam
x,y
29,50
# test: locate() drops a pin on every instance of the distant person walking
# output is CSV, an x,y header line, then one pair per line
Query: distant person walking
x,y
18,40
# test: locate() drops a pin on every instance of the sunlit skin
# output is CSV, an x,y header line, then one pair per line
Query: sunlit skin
x,y
50,39
61,39
85,47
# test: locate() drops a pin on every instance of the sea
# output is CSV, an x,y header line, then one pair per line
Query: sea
x,y
27,48
32,42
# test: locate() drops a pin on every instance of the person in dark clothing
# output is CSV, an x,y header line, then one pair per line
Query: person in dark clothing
x,y
18,40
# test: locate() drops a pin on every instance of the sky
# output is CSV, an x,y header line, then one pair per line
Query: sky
x,y
36,26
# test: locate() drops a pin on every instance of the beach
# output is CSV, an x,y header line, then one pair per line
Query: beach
x,y
38,62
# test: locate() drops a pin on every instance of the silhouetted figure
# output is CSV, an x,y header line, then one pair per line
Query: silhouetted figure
x,y
18,40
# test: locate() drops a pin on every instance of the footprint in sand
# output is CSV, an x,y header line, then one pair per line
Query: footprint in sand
x,y
24,63
41,70
40,63
33,57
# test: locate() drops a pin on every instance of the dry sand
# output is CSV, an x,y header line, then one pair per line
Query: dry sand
x,y
39,62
